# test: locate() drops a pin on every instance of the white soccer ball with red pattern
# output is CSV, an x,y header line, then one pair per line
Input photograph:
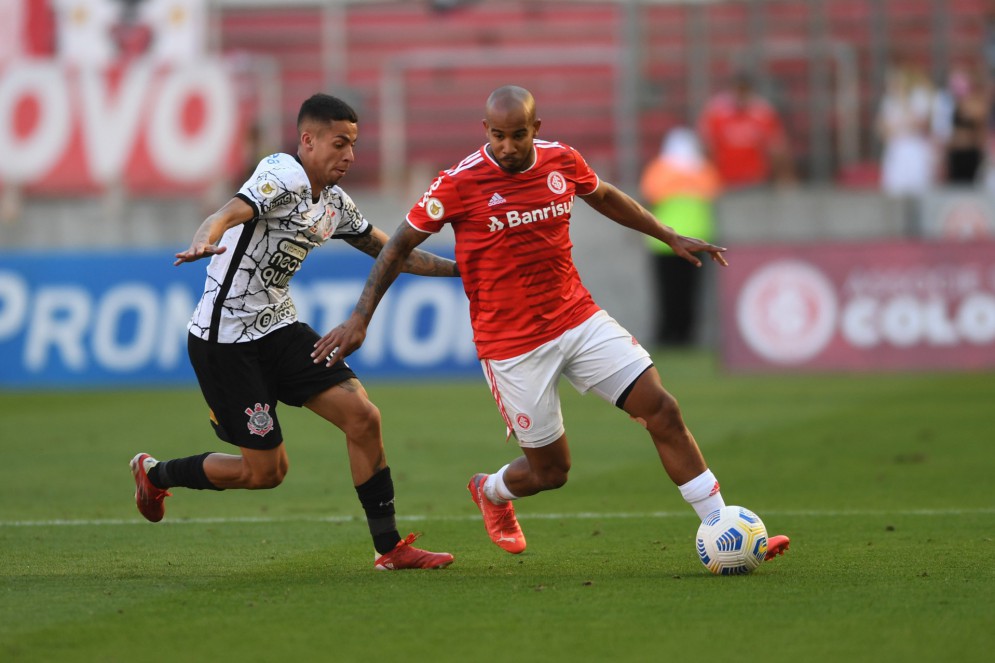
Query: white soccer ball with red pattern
x,y
731,541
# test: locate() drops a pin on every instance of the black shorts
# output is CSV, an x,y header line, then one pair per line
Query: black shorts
x,y
242,382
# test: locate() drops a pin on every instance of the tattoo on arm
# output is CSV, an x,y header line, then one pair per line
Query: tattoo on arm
x,y
382,275
424,263
399,253
369,244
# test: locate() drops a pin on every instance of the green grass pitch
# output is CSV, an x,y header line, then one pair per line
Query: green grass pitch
x,y
883,482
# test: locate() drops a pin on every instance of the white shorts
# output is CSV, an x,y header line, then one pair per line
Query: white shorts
x,y
598,355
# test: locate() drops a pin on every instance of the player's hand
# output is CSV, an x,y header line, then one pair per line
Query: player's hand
x,y
339,343
198,251
686,247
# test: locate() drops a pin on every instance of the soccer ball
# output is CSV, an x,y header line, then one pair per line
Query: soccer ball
x,y
731,541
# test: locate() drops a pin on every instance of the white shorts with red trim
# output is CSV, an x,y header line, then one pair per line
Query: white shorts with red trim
x,y
598,355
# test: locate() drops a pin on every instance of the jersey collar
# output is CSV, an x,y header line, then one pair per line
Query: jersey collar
x,y
535,160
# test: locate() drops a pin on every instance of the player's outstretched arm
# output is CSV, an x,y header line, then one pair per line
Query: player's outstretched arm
x,y
420,263
625,211
349,336
205,241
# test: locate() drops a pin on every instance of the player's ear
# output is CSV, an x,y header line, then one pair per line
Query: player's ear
x,y
535,126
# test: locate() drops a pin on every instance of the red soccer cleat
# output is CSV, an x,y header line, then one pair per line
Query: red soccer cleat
x,y
499,519
406,556
777,545
148,498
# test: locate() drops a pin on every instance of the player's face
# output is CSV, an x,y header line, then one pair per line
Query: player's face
x,y
509,137
327,150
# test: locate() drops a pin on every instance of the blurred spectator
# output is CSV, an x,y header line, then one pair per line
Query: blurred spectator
x,y
961,125
679,186
745,138
908,163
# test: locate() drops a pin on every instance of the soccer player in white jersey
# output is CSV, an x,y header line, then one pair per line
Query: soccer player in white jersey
x,y
250,352
533,320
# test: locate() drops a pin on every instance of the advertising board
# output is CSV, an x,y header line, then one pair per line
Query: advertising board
x,y
863,306
81,320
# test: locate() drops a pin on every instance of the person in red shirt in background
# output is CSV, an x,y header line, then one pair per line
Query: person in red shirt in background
x,y
509,205
745,138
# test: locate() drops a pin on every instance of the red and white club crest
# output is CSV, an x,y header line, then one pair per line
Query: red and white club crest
x,y
556,182
523,421
260,422
787,311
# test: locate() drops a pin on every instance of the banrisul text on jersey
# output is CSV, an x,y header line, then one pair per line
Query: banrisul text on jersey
x,y
514,218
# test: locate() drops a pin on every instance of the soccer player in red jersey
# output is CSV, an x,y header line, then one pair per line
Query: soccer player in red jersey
x,y
533,320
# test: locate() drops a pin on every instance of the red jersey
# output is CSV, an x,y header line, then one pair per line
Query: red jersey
x,y
740,138
513,245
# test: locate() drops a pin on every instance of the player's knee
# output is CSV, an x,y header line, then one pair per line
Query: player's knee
x,y
364,423
554,477
266,481
267,478
665,418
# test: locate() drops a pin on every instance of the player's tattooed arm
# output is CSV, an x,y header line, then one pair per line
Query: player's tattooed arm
x,y
421,263
424,263
389,263
371,243
348,336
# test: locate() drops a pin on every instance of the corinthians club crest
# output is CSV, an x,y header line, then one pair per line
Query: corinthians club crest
x,y
260,421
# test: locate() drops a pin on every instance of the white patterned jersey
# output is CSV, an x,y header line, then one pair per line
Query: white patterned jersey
x,y
246,294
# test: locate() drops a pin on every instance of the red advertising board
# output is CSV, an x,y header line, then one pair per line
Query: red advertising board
x,y
153,129
859,307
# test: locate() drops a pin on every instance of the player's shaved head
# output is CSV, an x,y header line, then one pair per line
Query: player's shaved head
x,y
511,126
511,99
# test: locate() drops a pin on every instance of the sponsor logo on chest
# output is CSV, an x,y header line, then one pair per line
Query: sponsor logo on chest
x,y
514,218
283,264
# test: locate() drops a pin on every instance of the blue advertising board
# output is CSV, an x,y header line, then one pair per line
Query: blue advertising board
x,y
113,319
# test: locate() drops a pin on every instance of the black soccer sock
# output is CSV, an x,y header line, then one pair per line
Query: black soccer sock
x,y
185,472
377,498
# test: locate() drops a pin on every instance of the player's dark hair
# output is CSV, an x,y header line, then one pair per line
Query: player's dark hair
x,y
325,108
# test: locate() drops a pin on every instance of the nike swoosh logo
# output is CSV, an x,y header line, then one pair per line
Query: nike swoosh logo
x,y
510,539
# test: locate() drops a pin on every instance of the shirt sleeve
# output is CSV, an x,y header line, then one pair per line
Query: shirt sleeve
x,y
352,222
272,190
440,205
584,177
